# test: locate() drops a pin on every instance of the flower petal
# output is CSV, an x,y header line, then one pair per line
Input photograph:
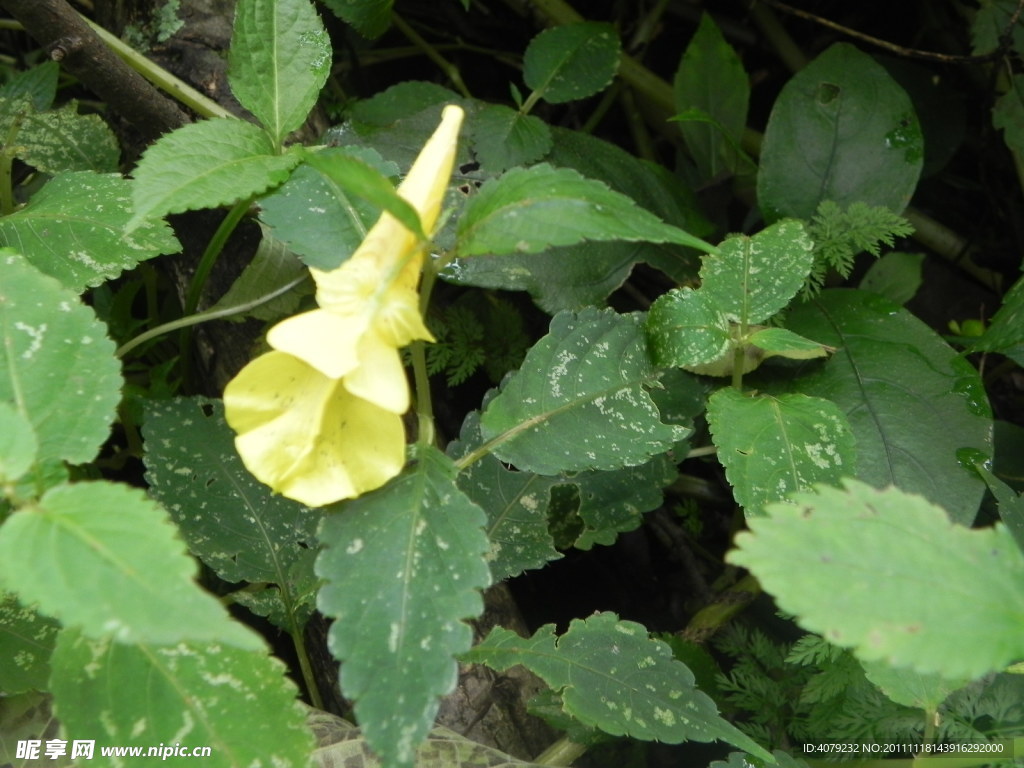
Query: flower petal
x,y
325,340
380,377
306,436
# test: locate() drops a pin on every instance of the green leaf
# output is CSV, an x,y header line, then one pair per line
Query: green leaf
x,y
1011,504
1008,114
752,278
75,229
772,446
239,703
105,558
572,61
18,444
923,690
321,220
917,590
403,565
897,276
370,18
614,502
686,328
784,343
26,642
614,677
530,209
1005,334
990,23
279,60
711,78
355,176
57,366
504,137
205,165
273,269
38,85
575,276
911,401
229,520
516,505
579,402
841,130
62,140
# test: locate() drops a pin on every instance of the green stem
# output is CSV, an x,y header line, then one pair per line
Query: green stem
x,y
450,70
160,77
202,317
562,752
213,250
424,399
307,668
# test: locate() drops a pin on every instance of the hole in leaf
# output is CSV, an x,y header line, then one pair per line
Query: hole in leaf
x,y
827,93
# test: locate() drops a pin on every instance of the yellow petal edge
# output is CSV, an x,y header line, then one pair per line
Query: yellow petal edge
x,y
318,418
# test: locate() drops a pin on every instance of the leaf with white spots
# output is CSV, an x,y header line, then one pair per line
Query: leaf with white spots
x,y
572,61
106,558
279,60
239,703
579,400
26,642
516,505
229,520
917,589
74,229
529,210
57,366
612,676
772,446
321,220
403,567
752,278
686,328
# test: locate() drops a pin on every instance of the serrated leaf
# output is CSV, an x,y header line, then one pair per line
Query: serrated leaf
x,y
516,505
897,276
911,400
614,502
1008,114
1011,504
63,140
772,446
841,130
279,60
711,78
614,677
572,61
75,229
18,444
1005,334
231,521
26,642
239,703
575,276
106,558
686,328
503,137
918,590
57,366
403,565
912,688
318,218
752,278
578,402
530,209
38,85
370,18
990,24
205,165
273,269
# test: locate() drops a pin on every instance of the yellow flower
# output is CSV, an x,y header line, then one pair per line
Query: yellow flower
x,y
319,418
